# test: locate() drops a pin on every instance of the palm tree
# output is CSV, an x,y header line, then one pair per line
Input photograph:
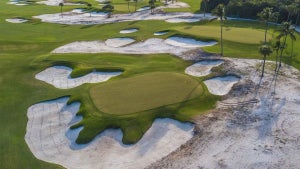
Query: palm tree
x,y
128,1
267,15
109,9
89,8
135,5
61,6
205,5
265,50
285,31
152,5
220,12
276,47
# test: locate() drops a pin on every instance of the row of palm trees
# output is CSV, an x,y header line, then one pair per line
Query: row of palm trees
x,y
266,48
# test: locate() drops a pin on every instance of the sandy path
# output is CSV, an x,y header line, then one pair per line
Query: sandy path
x,y
49,138
202,68
258,135
59,77
149,46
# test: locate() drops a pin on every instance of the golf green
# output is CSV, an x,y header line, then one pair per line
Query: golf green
x,y
144,92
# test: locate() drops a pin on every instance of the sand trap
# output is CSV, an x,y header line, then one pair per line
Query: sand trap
x,y
221,85
16,20
85,19
128,31
143,8
150,46
175,5
49,138
188,42
118,42
160,33
56,2
179,20
261,135
59,76
202,68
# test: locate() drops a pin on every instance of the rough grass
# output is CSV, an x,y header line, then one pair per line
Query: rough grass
x,y
144,92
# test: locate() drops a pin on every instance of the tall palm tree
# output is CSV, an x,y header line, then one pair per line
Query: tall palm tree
x,y
89,6
128,1
220,12
135,4
265,50
205,5
276,47
285,31
267,15
152,5
61,6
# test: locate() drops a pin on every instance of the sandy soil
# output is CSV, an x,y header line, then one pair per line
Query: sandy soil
x,y
221,85
16,20
202,68
84,18
160,33
49,138
255,126
149,46
59,77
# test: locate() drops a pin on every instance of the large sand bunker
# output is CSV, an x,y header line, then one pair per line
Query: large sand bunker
x,y
150,46
125,31
84,18
118,42
59,76
258,135
50,139
188,42
202,68
221,85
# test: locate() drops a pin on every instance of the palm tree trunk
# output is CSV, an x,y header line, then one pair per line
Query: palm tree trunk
x,y
135,5
297,18
267,25
221,36
128,6
61,11
263,69
204,8
276,63
292,50
281,51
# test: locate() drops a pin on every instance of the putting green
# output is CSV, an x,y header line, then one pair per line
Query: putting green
x,y
144,92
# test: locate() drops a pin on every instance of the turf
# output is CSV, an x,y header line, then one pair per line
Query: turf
x,y
144,92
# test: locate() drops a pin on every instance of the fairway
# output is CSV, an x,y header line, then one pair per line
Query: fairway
x,y
144,92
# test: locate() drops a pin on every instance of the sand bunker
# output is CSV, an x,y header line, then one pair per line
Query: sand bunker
x,y
175,5
56,2
188,42
202,68
59,76
160,33
221,85
150,46
84,18
16,20
254,135
128,31
118,42
50,139
179,20
143,9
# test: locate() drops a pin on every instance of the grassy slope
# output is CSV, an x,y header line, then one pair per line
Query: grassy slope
x,y
24,51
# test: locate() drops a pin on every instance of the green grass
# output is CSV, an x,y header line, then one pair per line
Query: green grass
x,y
144,92
25,50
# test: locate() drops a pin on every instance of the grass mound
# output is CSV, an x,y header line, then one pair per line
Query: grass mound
x,y
144,92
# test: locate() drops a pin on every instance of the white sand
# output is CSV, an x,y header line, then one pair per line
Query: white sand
x,y
176,5
262,135
59,76
221,85
160,33
125,31
49,138
179,20
118,42
16,20
202,68
55,2
150,46
143,9
297,29
84,18
188,42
